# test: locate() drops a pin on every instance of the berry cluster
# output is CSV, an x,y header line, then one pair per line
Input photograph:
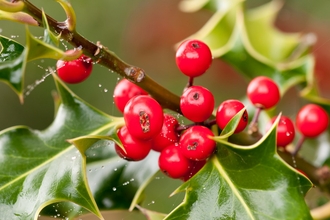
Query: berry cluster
x,y
184,149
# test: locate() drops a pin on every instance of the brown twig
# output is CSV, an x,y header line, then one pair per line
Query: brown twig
x,y
105,57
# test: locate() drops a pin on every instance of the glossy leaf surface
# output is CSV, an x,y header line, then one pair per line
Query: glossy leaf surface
x,y
245,182
41,167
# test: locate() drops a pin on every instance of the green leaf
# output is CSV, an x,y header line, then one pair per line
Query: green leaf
x,y
49,37
245,182
12,64
39,168
71,20
38,49
11,6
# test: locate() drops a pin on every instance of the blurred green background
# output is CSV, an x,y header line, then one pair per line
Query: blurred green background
x,y
143,33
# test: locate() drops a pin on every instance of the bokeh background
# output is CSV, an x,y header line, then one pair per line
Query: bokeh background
x,y
143,33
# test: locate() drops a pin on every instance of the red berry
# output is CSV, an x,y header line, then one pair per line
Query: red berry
x,y
143,117
124,91
74,71
263,92
195,143
172,162
197,103
195,167
285,131
168,135
312,120
227,110
136,149
193,57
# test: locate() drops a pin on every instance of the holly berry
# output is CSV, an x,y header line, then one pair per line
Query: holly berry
x,y
312,120
193,57
124,91
173,163
285,131
195,167
197,103
74,71
168,135
227,110
136,149
143,117
195,143
263,92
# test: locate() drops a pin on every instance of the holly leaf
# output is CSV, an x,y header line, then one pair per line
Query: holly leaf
x,y
12,65
49,37
39,168
245,182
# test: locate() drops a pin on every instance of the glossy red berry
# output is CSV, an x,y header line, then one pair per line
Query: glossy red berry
x,y
136,149
195,143
263,92
124,91
193,57
74,71
197,103
227,110
285,131
168,135
195,167
143,117
172,162
312,120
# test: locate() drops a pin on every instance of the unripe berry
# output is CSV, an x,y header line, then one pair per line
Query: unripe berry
x,y
312,120
124,91
197,103
172,162
227,110
193,57
143,117
168,135
263,92
195,143
136,149
74,71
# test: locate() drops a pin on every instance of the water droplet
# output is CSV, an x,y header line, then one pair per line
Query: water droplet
x,y
73,158
105,90
115,169
114,188
100,85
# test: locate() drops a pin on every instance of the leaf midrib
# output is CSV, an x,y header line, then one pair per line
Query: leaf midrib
x,y
224,175
53,158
